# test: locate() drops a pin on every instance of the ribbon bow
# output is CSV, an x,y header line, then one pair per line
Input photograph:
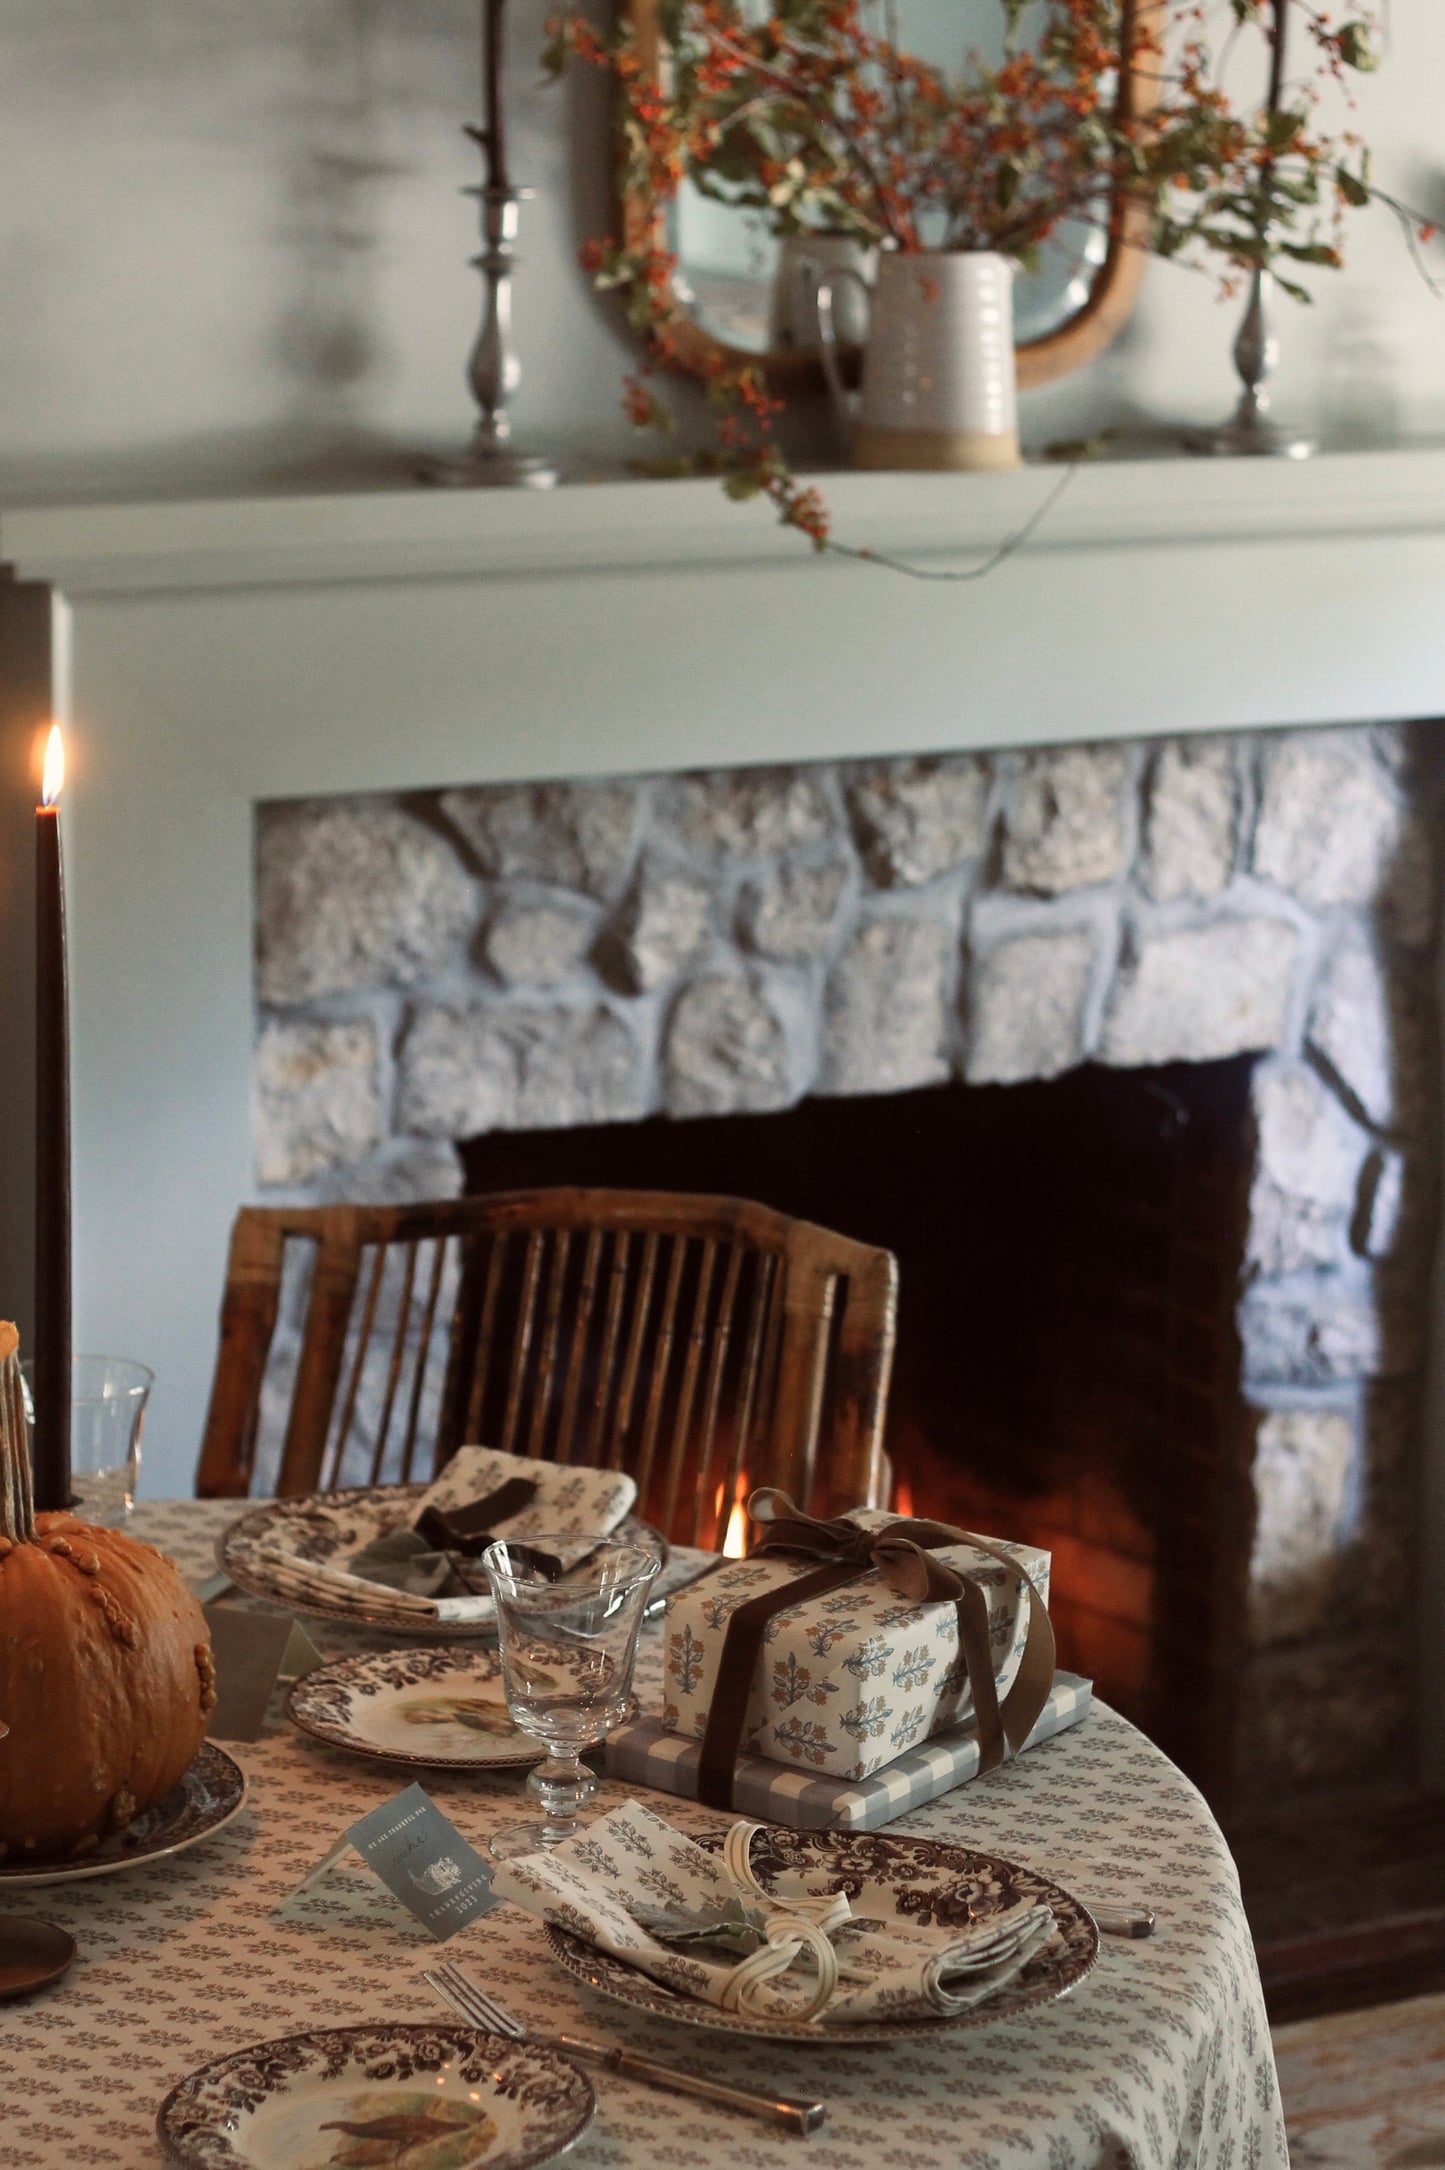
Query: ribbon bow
x,y
899,1551
795,1924
902,1552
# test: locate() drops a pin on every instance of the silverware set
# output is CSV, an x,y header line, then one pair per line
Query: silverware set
x,y
479,2009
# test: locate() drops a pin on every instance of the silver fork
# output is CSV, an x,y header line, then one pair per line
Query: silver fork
x,y
478,2009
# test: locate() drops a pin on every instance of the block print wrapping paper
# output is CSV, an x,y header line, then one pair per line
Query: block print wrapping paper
x,y
849,1680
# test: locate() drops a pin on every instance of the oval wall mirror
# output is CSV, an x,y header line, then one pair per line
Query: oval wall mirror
x,y
743,294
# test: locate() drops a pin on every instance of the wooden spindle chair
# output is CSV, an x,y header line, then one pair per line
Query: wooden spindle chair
x,y
705,1345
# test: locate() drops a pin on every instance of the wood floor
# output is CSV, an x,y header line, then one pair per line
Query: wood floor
x,y
1365,2090
1347,1902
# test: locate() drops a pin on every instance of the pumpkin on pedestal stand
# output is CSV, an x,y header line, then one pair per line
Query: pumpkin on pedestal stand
x,y
106,1676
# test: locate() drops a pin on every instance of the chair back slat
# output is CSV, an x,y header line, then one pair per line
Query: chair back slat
x,y
694,1348
394,1366
660,1358
422,1358
522,1339
547,1355
486,1329
333,1287
249,1309
581,1333
342,1433
751,1392
632,1361
721,1345
705,1345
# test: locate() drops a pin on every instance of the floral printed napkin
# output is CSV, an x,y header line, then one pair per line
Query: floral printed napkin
x,y
584,1501
414,1577
893,1965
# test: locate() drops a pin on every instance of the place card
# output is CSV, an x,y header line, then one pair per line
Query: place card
x,y
252,1651
422,1859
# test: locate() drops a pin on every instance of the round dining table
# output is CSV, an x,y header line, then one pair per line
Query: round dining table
x,y
1160,2057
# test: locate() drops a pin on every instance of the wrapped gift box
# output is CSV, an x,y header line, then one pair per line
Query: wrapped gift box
x,y
645,1753
848,1680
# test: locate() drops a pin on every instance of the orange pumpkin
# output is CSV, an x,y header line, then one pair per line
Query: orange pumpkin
x,y
106,1676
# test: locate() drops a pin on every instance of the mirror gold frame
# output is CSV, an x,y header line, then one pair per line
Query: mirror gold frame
x,y
1078,340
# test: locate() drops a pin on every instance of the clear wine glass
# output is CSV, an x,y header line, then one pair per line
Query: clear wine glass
x,y
568,1614
107,1410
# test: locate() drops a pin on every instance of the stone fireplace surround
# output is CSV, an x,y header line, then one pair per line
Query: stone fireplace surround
x,y
453,963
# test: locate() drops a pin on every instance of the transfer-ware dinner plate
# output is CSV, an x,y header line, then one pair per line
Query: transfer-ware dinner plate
x,y
206,1798
430,1709
328,1529
882,1874
423,2097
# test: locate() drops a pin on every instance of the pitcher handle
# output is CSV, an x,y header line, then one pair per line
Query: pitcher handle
x,y
845,403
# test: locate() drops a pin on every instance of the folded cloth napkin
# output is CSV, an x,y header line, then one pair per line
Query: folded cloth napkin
x,y
417,1577
630,1867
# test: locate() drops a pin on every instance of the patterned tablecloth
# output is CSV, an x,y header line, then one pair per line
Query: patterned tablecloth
x,y
1162,2057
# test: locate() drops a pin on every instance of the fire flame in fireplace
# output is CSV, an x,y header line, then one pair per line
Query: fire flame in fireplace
x,y
735,1543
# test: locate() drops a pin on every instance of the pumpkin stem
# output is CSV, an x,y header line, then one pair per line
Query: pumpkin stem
x,y
17,1504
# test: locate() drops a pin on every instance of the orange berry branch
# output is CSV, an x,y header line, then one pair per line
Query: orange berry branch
x,y
811,117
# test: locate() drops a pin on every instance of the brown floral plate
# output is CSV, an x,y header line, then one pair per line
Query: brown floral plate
x,y
429,2098
430,1710
262,1551
208,1796
882,1873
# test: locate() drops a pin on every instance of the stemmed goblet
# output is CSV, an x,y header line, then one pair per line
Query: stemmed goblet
x,y
568,1614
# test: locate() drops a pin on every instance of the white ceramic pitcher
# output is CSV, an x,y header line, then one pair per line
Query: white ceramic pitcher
x,y
939,387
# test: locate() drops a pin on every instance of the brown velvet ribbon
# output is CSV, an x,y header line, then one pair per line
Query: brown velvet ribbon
x,y
902,1553
469,1529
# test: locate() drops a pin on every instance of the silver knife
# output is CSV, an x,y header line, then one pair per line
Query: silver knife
x,y
777,2110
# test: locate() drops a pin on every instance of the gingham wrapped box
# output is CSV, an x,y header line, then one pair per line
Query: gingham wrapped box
x,y
849,1680
647,1754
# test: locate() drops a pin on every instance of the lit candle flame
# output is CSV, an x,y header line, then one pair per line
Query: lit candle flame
x,y
54,766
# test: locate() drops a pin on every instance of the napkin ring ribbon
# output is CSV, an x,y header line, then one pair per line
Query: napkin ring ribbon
x,y
902,1553
794,1925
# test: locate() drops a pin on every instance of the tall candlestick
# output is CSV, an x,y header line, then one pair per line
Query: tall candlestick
x,y
1252,428
491,460
52,1149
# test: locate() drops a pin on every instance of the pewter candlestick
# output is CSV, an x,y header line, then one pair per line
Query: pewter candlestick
x,y
1250,429
493,371
1256,349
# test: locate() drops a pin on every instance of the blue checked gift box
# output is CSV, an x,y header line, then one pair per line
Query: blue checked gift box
x,y
648,1754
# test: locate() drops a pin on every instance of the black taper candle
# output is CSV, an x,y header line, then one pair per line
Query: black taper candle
x,y
52,1155
494,130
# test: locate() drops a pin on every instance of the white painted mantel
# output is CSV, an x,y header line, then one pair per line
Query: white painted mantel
x,y
223,653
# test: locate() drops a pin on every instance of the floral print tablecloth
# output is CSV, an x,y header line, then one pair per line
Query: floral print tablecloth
x,y
1161,2058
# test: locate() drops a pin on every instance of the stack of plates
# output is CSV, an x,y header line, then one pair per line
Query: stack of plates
x,y
267,1553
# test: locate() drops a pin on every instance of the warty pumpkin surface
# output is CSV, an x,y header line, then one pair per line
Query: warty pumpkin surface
x,y
106,1677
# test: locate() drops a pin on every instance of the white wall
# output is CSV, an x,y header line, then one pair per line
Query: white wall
x,y
233,252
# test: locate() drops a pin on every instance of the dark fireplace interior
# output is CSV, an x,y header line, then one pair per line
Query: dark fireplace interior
x,y
1067,1367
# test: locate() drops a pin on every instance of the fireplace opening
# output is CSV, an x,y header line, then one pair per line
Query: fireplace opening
x,y
1068,1368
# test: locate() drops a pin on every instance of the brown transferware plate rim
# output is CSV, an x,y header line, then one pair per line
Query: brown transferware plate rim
x,y
178,2148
